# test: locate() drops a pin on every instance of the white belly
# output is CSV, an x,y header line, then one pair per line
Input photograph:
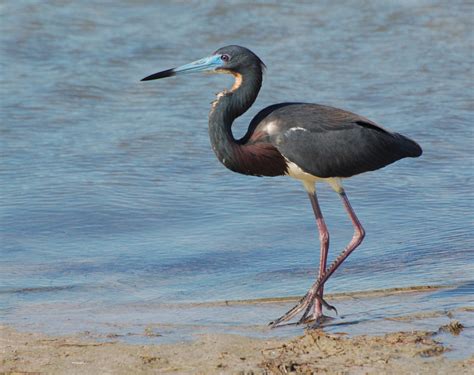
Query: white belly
x,y
309,180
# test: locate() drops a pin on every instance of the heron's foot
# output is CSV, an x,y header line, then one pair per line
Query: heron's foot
x,y
306,304
317,322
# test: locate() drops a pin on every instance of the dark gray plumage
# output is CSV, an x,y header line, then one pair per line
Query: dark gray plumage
x,y
309,142
330,142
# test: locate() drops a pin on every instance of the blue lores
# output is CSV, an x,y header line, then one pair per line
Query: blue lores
x,y
206,63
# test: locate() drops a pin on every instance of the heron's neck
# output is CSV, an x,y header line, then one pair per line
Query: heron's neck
x,y
225,109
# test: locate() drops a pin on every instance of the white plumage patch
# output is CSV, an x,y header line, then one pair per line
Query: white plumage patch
x,y
297,128
219,95
271,128
309,180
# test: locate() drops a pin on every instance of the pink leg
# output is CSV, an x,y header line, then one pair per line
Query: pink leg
x,y
324,243
359,234
312,296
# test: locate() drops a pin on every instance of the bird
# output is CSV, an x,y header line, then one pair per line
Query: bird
x,y
311,143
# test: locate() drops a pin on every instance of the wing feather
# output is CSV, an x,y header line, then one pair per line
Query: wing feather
x,y
330,142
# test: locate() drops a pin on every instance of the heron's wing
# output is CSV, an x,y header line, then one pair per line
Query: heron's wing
x,y
329,142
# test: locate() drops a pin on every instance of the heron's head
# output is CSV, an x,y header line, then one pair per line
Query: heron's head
x,y
235,60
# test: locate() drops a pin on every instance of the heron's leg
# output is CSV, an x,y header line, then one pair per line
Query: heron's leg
x,y
324,247
317,301
312,295
359,234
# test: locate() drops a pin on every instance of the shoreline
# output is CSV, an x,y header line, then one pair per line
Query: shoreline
x,y
338,296
386,331
418,329
313,351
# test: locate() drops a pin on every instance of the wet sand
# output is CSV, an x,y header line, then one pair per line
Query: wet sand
x,y
315,351
426,341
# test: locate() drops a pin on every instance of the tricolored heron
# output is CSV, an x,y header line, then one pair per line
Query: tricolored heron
x,y
309,142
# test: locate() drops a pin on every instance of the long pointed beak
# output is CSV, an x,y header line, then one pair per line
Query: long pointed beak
x,y
206,64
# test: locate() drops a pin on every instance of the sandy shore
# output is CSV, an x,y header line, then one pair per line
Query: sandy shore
x,y
380,336
313,352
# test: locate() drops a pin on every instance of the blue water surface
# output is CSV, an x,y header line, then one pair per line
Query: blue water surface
x,y
111,193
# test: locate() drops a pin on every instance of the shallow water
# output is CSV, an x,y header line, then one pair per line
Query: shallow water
x,y
113,197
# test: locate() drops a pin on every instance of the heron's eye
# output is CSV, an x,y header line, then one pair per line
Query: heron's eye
x,y
225,58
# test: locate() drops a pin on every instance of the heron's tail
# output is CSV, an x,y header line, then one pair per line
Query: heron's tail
x,y
410,148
